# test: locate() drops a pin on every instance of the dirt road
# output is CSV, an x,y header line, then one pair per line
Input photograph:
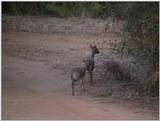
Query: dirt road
x,y
36,80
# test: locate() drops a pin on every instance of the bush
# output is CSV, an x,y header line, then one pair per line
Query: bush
x,y
142,30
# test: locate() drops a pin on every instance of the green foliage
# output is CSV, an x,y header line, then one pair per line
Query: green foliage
x,y
151,85
142,25
64,9
59,10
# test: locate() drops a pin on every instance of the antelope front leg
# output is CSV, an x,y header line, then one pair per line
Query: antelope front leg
x,y
91,78
82,86
72,88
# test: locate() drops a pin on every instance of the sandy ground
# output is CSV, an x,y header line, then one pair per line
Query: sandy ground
x,y
36,80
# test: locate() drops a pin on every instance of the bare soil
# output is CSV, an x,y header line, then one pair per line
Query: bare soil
x,y
36,80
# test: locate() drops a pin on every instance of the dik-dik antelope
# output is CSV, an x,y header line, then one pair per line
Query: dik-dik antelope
x,y
79,73
90,63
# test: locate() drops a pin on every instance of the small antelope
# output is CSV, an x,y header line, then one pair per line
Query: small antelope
x,y
90,62
78,74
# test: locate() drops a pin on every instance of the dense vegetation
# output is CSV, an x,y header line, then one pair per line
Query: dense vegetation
x,y
140,34
64,9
